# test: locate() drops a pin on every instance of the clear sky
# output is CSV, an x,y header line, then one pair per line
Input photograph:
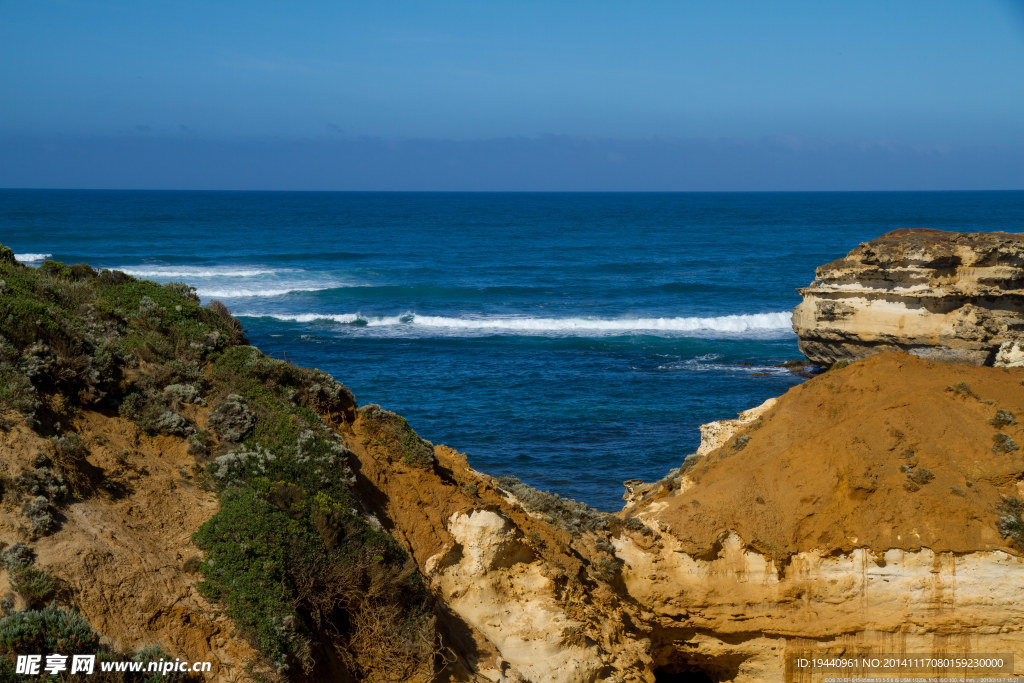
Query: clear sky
x,y
822,94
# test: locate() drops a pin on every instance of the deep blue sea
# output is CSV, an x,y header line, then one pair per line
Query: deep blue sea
x,y
573,340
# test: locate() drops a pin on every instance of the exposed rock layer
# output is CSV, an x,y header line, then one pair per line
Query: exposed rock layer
x,y
861,515
526,600
948,296
857,513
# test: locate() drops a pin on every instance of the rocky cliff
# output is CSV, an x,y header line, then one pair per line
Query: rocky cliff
x,y
873,509
171,486
947,296
869,510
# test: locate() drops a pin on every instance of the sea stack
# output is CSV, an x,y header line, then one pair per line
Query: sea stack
x,y
947,296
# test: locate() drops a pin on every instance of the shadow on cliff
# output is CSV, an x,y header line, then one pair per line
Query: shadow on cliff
x,y
458,639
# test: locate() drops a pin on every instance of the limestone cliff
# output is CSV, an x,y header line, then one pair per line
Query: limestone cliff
x,y
179,488
865,511
940,295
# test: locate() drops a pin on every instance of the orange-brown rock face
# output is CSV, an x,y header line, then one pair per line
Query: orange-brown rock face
x,y
124,560
525,599
860,512
948,296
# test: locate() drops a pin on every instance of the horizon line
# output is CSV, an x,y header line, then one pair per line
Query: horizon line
x,y
281,191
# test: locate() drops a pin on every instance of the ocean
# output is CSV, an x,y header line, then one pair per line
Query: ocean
x,y
573,340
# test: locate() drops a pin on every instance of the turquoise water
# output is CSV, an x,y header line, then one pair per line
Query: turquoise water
x,y
573,340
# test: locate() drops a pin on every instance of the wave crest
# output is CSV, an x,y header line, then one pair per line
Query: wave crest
x,y
196,271
31,258
730,324
242,293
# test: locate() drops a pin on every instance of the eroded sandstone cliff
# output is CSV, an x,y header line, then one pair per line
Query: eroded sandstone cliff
x,y
862,512
940,295
876,508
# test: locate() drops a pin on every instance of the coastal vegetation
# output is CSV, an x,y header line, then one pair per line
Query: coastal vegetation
x,y
305,573
1011,521
55,630
571,515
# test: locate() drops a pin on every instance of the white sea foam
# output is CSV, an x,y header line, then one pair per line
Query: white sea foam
x,y
29,258
732,324
697,365
245,292
188,272
343,318
233,281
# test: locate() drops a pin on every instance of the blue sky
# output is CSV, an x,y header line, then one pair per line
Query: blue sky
x,y
483,95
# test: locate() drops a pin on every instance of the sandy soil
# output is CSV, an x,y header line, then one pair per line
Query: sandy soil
x,y
890,452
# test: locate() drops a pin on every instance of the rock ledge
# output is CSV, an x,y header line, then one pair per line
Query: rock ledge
x,y
947,296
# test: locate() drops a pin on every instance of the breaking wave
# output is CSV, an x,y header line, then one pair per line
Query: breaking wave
x,y
244,292
187,272
729,324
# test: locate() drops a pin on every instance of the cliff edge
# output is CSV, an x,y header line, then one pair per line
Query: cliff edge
x,y
869,510
950,296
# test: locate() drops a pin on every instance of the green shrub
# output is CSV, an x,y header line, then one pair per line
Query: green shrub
x,y
70,459
72,329
248,545
17,391
569,514
42,515
152,412
52,630
154,653
294,567
45,631
608,568
231,418
1003,418
34,585
1011,523
390,429
1002,443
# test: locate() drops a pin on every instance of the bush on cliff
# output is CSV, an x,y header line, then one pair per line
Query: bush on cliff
x,y
298,567
572,515
34,585
45,631
1011,521
70,331
387,428
290,565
